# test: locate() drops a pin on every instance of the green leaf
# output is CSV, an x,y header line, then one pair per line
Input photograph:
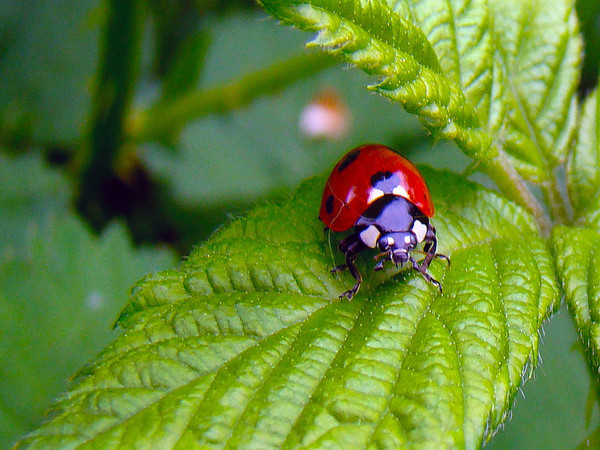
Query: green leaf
x,y
29,192
186,68
583,170
386,44
556,396
60,288
540,51
48,60
488,75
578,262
247,344
254,150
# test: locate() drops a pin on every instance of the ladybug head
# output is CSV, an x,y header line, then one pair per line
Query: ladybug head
x,y
397,245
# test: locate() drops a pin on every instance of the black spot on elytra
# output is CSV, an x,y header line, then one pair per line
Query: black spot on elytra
x,y
329,204
349,159
380,176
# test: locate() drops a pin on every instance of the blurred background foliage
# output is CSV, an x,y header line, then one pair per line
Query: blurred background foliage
x,y
130,130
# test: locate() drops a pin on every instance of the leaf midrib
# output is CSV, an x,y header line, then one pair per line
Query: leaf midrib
x,y
386,410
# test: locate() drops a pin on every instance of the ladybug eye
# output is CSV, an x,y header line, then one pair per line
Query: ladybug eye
x,y
385,243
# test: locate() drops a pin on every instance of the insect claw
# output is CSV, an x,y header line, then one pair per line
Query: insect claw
x,y
350,293
338,269
444,257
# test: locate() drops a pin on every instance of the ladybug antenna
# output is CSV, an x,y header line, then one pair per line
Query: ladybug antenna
x,y
328,231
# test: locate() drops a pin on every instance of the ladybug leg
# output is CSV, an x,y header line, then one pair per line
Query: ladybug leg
x,y
351,247
381,258
345,246
379,265
422,269
430,247
356,274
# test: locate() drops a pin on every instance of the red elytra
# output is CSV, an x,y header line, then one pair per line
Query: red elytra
x,y
365,174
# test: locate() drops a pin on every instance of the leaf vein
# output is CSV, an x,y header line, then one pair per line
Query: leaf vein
x,y
262,387
342,349
386,410
461,374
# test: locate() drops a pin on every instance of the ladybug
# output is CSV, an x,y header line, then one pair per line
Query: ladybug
x,y
385,198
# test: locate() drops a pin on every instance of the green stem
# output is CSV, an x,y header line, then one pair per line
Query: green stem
x,y
165,119
555,201
119,64
514,187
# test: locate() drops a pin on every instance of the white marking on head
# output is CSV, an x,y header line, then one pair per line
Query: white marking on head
x,y
370,235
407,239
374,194
399,190
420,230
